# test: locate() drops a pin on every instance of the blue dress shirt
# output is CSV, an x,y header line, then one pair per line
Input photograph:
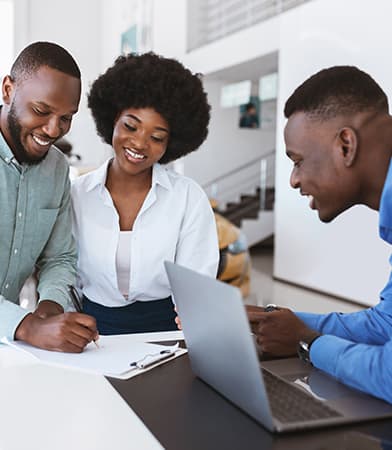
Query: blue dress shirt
x,y
356,348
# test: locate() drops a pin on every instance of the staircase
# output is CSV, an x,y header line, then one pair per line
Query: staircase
x,y
248,207
257,224
253,211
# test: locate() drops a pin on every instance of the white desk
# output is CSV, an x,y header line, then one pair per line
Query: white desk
x,y
47,408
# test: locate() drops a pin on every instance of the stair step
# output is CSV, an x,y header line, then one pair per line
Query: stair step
x,y
249,198
245,200
249,206
247,211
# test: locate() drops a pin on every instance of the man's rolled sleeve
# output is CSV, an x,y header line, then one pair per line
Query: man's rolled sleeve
x,y
369,326
57,295
311,320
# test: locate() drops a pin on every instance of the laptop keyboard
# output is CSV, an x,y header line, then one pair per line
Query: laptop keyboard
x,y
290,404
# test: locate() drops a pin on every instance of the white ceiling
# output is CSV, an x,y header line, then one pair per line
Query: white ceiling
x,y
249,70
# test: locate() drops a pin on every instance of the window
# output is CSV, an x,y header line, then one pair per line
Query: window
x,y
235,94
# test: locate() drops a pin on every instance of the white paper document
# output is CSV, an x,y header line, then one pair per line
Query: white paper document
x,y
118,356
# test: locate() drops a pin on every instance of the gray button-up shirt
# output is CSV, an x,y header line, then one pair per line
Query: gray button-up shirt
x,y
35,231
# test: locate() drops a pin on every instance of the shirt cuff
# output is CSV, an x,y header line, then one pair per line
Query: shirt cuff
x,y
310,319
13,317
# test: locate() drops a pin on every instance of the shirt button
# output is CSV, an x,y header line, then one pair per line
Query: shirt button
x,y
19,214
22,176
7,160
7,286
16,251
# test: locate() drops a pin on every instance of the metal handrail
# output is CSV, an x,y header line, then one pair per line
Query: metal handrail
x,y
251,178
238,169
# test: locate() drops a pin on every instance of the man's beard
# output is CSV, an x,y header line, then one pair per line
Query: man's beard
x,y
18,149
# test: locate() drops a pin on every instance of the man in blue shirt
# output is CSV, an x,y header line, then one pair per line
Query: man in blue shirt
x,y
339,137
40,97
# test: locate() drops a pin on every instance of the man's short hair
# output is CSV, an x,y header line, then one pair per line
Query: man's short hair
x,y
338,90
39,54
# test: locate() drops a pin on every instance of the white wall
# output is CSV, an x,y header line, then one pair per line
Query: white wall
x,y
227,146
170,35
6,37
345,257
169,28
116,18
237,48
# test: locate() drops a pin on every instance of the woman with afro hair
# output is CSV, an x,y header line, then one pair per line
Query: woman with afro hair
x,y
133,213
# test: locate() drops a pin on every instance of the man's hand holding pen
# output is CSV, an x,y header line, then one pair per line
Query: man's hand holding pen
x,y
50,328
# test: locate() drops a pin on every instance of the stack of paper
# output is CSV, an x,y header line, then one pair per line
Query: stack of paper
x,y
117,356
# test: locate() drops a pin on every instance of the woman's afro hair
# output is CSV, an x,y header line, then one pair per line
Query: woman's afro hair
x,y
152,81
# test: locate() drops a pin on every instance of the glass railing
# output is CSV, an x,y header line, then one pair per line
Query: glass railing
x,y
210,20
256,177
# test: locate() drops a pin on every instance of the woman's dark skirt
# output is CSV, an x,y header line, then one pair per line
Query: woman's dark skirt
x,y
138,317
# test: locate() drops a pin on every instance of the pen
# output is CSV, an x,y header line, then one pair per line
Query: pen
x,y
162,355
75,298
77,303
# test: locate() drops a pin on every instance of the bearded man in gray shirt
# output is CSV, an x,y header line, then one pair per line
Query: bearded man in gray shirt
x,y
40,97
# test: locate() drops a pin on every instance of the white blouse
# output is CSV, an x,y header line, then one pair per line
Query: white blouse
x,y
175,223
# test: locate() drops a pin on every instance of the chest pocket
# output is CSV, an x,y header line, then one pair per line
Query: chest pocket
x,y
43,226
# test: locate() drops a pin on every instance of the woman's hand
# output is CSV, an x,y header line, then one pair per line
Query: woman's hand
x,y
178,321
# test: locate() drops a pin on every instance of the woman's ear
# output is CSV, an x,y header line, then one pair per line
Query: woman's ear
x,y
347,141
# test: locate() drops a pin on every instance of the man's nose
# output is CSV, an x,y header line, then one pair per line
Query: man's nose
x,y
53,128
294,180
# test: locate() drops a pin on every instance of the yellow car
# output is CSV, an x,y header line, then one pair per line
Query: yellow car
x,y
234,263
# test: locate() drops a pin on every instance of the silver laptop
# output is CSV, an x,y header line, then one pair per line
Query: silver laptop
x,y
283,395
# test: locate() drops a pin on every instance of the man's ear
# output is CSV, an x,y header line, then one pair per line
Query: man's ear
x,y
7,89
347,141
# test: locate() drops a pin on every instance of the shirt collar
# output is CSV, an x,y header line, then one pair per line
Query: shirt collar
x,y
385,221
159,176
98,176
